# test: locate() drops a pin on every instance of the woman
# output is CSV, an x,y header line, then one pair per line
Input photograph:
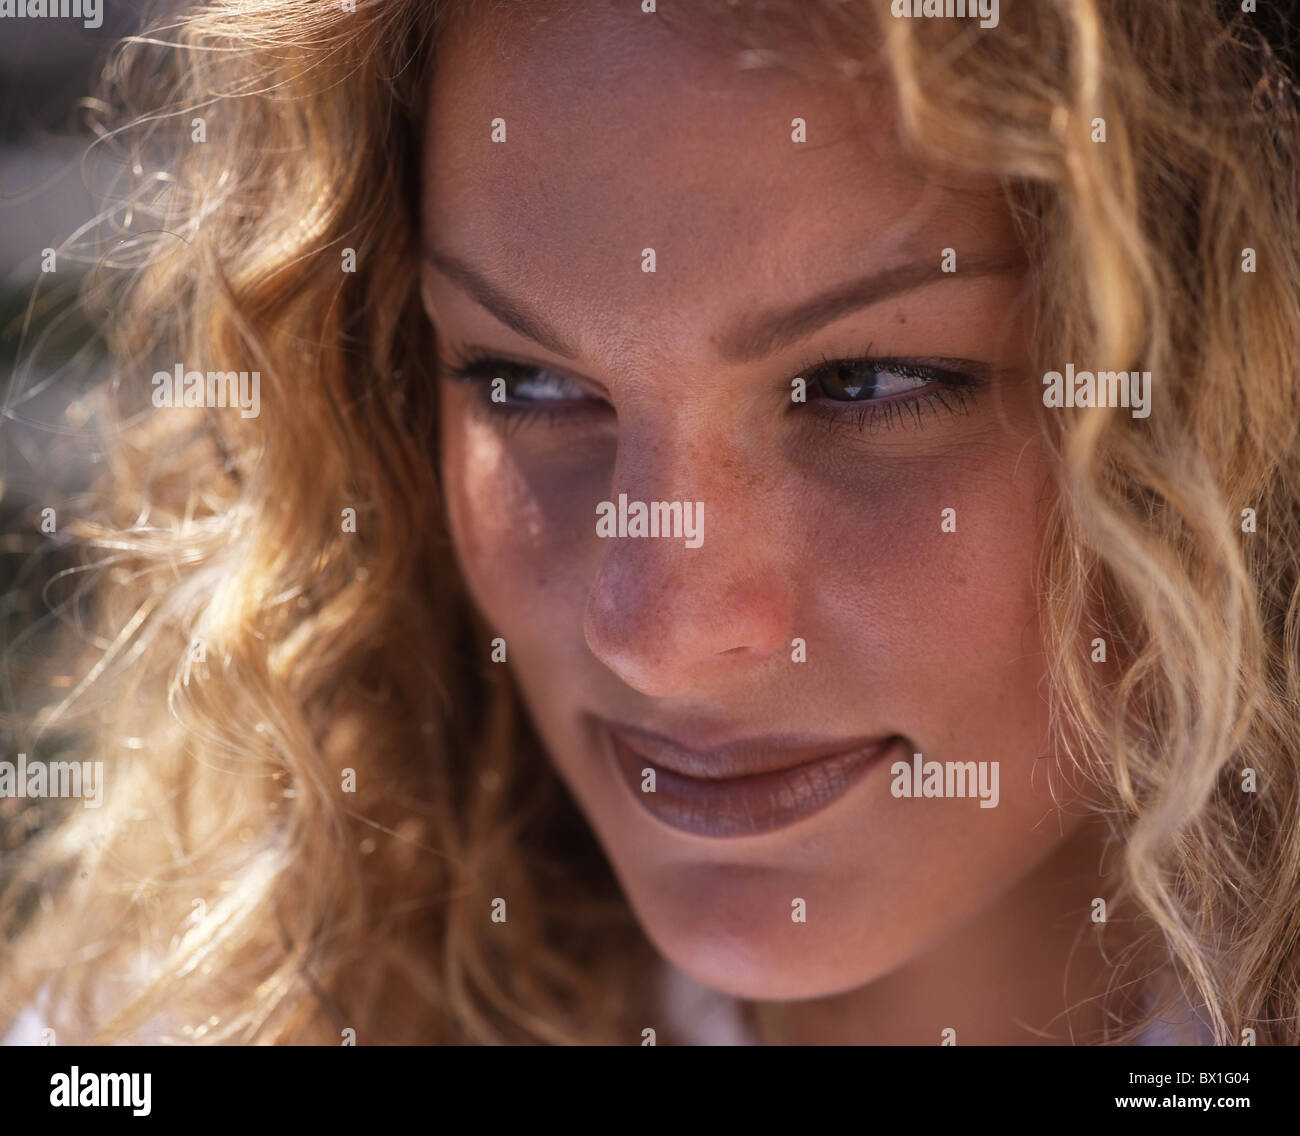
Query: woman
x,y
771,523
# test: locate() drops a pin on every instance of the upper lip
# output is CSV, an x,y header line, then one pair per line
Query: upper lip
x,y
743,757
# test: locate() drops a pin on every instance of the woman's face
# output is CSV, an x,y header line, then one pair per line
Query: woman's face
x,y
830,616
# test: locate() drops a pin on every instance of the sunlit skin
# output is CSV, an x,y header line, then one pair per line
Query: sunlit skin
x,y
922,914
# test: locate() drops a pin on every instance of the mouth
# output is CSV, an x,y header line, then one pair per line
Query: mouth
x,y
745,788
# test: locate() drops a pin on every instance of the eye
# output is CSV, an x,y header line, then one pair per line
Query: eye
x,y
862,380
876,394
540,386
521,392
508,382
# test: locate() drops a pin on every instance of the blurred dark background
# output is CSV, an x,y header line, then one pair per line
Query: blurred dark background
x,y
50,349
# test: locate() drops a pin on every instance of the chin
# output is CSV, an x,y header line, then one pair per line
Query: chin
x,y
766,971
747,946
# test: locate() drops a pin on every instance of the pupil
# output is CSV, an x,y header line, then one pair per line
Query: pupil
x,y
851,383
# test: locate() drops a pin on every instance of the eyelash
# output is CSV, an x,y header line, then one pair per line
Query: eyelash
x,y
951,386
947,388
478,368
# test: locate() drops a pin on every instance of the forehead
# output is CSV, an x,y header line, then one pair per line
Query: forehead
x,y
623,133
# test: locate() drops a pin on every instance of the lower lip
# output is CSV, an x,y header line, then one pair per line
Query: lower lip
x,y
744,806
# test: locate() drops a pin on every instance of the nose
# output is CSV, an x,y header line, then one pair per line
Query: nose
x,y
669,619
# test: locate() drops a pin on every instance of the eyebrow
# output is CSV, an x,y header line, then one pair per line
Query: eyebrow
x,y
753,336
513,313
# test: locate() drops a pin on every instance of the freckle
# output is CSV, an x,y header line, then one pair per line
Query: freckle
x,y
902,318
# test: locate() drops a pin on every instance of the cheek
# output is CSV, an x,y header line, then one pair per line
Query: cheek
x,y
924,582
519,522
947,630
